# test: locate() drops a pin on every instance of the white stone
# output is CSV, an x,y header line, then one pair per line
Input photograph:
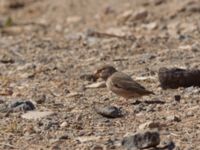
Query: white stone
x,y
34,115
97,85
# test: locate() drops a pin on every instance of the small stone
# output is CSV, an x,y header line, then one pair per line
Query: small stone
x,y
34,115
159,2
19,105
195,47
84,139
56,146
6,59
139,108
190,89
64,124
48,124
195,8
140,14
169,145
149,125
73,19
97,85
189,114
63,137
74,94
177,98
151,26
108,111
150,108
173,118
98,147
40,98
125,15
141,140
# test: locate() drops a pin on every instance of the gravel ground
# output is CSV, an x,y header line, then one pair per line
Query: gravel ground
x,y
47,47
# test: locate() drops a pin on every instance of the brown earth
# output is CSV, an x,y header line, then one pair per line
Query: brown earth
x,y
47,45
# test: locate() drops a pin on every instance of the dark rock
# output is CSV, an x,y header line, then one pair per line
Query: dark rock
x,y
63,137
176,77
168,145
47,124
177,98
173,118
108,111
19,105
141,140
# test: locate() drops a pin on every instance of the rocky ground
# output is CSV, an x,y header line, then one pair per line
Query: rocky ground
x,y
49,48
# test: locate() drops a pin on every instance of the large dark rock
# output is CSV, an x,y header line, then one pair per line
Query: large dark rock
x,y
141,140
176,77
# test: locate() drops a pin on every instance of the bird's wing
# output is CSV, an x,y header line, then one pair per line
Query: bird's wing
x,y
124,82
125,79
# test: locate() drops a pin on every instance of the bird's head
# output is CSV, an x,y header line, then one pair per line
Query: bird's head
x,y
105,72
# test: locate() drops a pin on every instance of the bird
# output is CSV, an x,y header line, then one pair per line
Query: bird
x,y
120,83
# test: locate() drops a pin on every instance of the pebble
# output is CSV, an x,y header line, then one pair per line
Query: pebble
x,y
177,98
41,98
195,8
125,15
108,111
149,125
34,115
98,147
64,124
138,108
84,139
141,140
133,16
63,137
173,118
48,123
73,19
195,47
140,14
97,85
151,26
19,105
74,94
189,114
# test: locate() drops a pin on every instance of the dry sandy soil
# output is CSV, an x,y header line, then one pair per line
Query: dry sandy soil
x,y
46,46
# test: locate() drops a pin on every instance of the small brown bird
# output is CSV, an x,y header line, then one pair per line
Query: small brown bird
x,y
120,83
